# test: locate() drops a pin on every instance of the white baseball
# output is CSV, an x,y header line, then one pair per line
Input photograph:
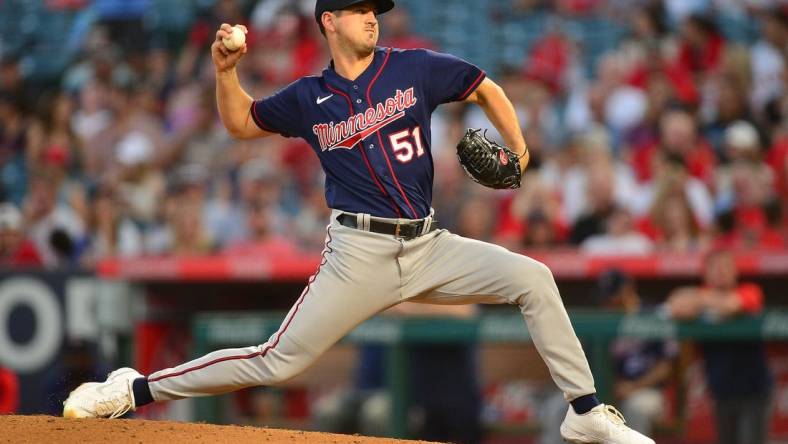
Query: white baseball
x,y
235,40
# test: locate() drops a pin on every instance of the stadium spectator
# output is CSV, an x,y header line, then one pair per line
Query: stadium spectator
x,y
445,397
140,184
125,21
293,49
91,115
673,225
103,62
729,106
195,140
532,218
308,225
125,121
550,60
188,234
53,226
679,10
110,232
678,135
737,373
619,237
647,25
541,232
777,159
15,249
53,151
586,175
260,184
221,215
14,135
446,393
12,81
702,47
671,177
767,60
642,367
622,106
263,239
601,205
745,189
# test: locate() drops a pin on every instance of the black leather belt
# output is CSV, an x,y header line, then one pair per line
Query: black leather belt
x,y
403,230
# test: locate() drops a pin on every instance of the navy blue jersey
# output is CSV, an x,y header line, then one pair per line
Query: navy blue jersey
x,y
372,135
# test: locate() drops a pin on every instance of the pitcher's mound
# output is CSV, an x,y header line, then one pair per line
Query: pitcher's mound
x,y
52,430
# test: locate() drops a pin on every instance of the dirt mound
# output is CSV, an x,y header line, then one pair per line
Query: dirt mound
x,y
53,430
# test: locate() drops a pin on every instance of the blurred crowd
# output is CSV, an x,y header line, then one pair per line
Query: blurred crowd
x,y
675,141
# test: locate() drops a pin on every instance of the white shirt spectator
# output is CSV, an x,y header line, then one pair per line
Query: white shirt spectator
x,y
572,185
62,218
698,195
768,70
620,239
630,244
678,10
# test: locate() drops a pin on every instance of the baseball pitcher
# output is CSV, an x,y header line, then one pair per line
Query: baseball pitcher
x,y
367,118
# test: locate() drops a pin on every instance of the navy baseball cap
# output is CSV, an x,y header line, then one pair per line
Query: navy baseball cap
x,y
322,6
610,282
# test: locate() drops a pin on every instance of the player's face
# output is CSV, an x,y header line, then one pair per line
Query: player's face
x,y
357,27
721,271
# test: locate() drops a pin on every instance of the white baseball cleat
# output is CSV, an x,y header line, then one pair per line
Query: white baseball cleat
x,y
112,398
602,425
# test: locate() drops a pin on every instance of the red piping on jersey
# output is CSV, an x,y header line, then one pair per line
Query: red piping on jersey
x,y
259,122
380,138
364,154
470,89
327,249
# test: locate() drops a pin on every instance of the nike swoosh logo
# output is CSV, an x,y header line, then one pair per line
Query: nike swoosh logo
x,y
323,99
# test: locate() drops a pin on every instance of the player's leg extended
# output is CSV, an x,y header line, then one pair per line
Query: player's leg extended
x,y
343,293
451,269
358,277
447,269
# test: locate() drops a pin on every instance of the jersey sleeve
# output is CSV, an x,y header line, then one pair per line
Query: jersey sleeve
x,y
279,113
450,78
751,298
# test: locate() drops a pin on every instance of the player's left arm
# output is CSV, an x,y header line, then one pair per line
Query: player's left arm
x,y
499,109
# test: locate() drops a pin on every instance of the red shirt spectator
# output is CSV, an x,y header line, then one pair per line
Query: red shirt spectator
x,y
26,255
682,85
750,297
778,161
579,7
699,161
549,60
15,249
678,136
702,47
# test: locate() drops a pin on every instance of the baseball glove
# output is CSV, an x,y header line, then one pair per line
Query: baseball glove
x,y
488,163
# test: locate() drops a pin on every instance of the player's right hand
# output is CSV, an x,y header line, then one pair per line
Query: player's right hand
x,y
223,58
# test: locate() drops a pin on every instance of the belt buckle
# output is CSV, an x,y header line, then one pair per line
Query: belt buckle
x,y
409,232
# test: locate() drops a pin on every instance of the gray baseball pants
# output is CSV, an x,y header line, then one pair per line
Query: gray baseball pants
x,y
363,273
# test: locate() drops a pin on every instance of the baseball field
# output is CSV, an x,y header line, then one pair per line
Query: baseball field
x,y
49,429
